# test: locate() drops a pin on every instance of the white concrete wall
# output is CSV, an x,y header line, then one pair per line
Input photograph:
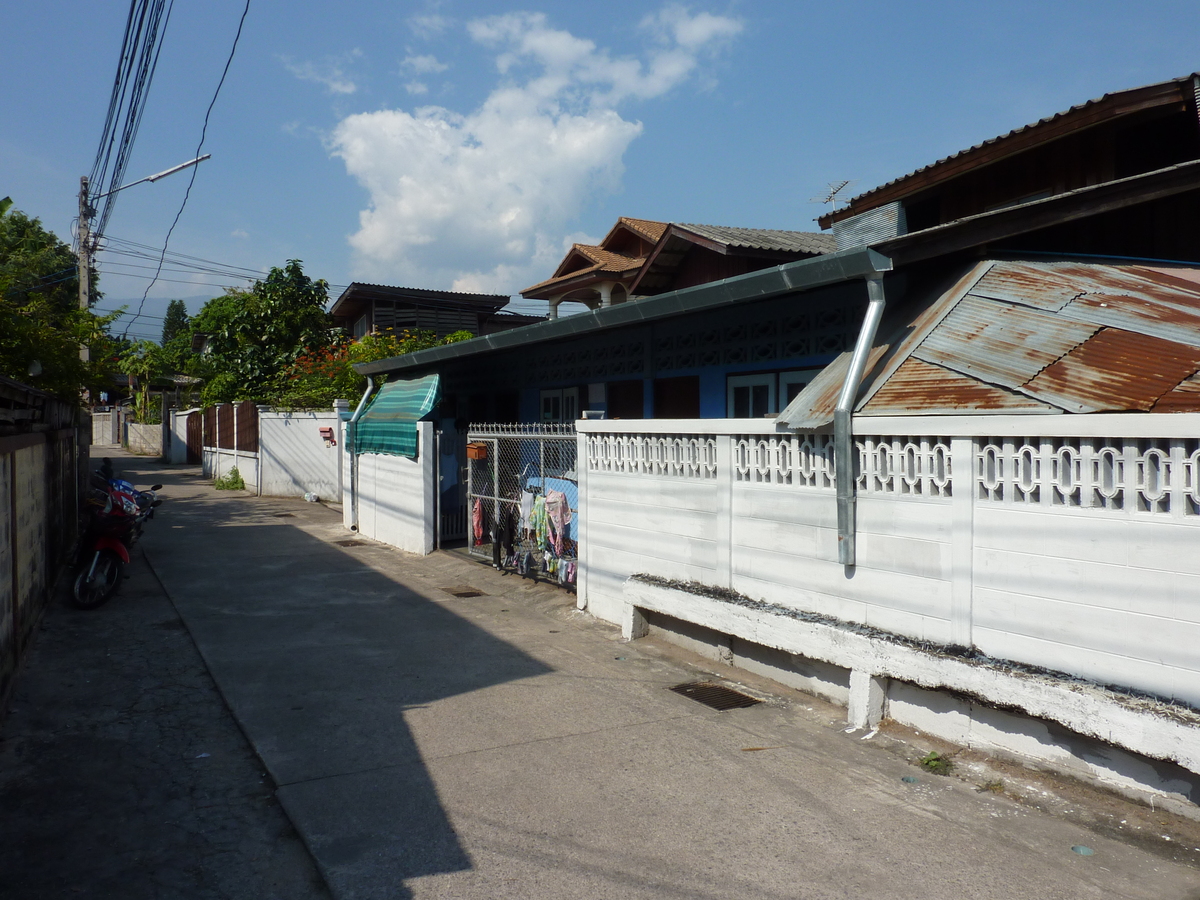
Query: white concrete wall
x,y
293,457
396,502
1064,544
176,453
216,463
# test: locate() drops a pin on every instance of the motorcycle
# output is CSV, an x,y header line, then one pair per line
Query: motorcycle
x,y
116,511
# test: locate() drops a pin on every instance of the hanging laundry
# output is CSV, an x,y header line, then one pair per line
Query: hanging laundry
x,y
477,521
526,509
538,523
558,511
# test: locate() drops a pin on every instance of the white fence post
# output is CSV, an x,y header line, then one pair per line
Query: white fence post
x,y
962,539
581,479
724,510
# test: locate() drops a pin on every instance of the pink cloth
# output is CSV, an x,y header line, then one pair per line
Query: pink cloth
x,y
477,521
558,511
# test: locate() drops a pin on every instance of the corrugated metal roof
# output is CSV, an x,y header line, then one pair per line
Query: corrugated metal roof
x,y
1115,370
1185,398
766,239
1041,285
1045,330
814,406
1001,344
919,387
1170,315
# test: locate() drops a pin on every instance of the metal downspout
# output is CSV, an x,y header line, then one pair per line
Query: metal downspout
x,y
350,448
843,434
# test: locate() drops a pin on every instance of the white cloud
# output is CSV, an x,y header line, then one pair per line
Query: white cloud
x,y
416,87
423,65
239,233
481,200
331,72
429,25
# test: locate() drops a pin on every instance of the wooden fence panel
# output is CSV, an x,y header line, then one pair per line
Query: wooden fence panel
x,y
247,426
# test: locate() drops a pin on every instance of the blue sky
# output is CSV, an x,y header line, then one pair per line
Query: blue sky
x,y
465,145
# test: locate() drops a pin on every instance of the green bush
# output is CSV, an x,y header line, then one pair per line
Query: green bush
x,y
232,481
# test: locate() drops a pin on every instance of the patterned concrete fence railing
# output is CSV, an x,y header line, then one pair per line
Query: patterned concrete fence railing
x,y
1063,542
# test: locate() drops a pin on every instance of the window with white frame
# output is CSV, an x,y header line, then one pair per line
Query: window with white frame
x,y
792,383
750,396
560,405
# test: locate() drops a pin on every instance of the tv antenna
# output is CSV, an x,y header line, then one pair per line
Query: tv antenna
x,y
832,197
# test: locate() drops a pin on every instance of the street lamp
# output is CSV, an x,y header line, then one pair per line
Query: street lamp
x,y
86,211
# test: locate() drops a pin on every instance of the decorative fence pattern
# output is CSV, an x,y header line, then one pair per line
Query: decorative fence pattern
x,y
1129,475
677,456
1069,549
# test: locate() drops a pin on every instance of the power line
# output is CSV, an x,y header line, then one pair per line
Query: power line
x,y
140,49
199,147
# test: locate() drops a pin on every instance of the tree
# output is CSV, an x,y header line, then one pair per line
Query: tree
x,y
255,335
41,324
144,362
323,375
175,322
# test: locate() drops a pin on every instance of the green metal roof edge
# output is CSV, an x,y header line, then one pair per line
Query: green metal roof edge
x,y
802,275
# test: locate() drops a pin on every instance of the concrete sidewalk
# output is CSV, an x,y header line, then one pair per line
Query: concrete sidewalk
x,y
504,745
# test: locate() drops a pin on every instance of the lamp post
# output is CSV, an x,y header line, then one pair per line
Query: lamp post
x,y
86,211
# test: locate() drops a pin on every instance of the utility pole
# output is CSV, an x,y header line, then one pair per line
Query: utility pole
x,y
85,255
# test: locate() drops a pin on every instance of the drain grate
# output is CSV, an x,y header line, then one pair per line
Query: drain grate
x,y
715,695
462,591
351,543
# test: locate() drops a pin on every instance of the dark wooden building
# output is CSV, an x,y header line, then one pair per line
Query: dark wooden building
x,y
365,308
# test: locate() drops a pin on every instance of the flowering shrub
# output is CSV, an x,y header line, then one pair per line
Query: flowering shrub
x,y
321,375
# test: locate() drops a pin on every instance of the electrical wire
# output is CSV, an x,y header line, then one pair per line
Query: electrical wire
x,y
199,147
141,47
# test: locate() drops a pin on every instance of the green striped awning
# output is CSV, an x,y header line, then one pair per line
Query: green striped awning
x,y
389,424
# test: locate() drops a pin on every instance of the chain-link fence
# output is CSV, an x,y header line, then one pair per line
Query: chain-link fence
x,y
523,499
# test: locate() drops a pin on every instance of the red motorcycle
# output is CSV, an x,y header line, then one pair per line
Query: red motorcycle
x,y
114,523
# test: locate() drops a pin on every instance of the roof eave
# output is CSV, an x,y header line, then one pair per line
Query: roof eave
x,y
802,275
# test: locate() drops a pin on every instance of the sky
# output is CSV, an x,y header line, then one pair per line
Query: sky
x,y
466,145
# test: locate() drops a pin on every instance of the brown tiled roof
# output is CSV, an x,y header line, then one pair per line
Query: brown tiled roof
x,y
647,228
609,261
604,262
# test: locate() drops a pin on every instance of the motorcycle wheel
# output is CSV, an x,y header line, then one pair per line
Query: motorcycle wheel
x,y
94,592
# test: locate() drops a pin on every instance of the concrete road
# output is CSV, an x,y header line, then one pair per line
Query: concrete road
x,y
428,745
124,777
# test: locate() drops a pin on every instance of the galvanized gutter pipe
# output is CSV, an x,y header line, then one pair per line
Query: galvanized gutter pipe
x,y
350,444
843,434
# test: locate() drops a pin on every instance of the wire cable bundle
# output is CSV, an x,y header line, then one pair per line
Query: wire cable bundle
x,y
144,30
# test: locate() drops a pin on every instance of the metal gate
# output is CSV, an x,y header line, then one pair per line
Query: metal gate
x,y
523,499
451,481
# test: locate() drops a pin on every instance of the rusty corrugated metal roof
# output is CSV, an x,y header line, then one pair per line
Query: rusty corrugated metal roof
x,y
1115,370
1170,314
1001,344
1185,398
1041,285
1076,336
918,387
